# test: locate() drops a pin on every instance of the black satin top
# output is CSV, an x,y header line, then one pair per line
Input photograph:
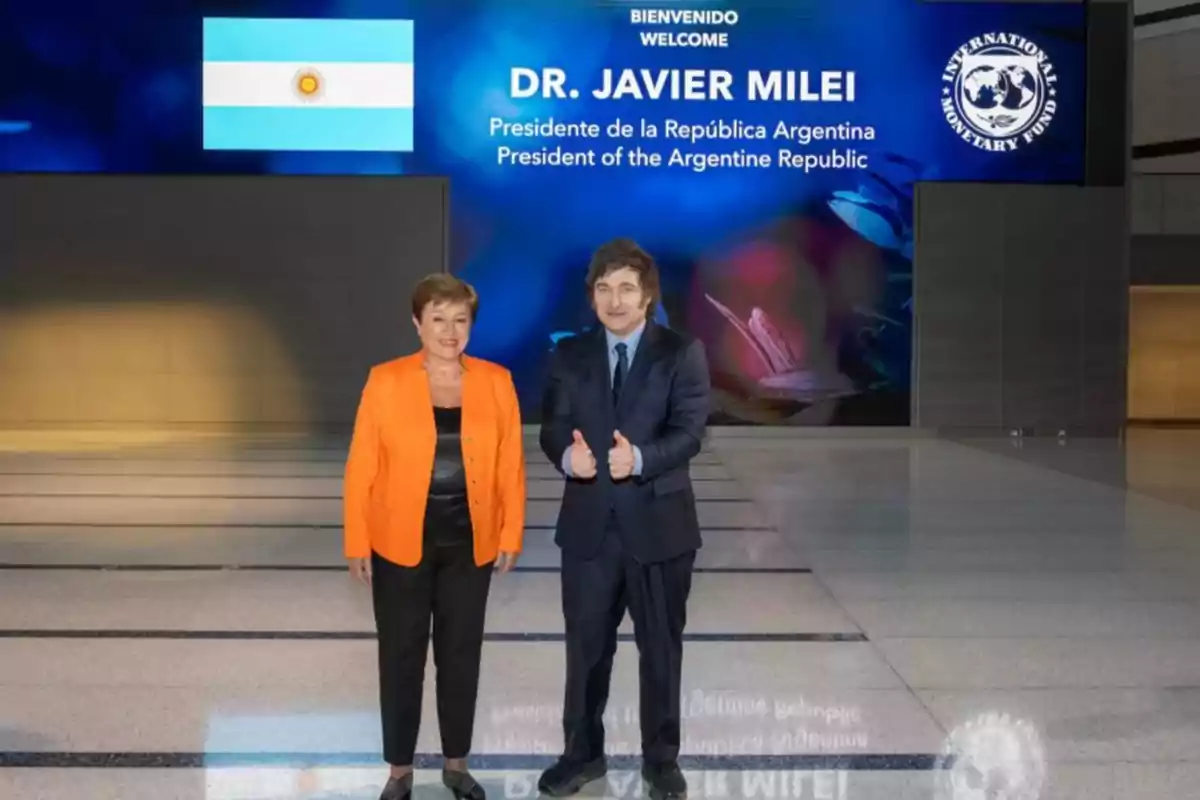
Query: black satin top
x,y
447,512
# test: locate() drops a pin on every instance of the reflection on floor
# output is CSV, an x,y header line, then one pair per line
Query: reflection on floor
x,y
887,617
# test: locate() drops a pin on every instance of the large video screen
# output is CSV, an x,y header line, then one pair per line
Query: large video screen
x,y
764,151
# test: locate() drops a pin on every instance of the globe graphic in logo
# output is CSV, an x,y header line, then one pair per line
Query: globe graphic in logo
x,y
992,757
1000,94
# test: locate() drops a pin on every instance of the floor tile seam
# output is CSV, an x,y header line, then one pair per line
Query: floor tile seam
x,y
624,762
294,635
554,702
1021,602
338,568
975,548
250,498
789,543
793,545
366,690
498,637
1088,688
875,648
1116,572
995,688
873,762
1124,489
739,478
299,526
736,477
1011,637
982,542
273,458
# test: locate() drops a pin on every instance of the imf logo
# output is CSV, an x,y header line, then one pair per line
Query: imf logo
x,y
992,757
999,92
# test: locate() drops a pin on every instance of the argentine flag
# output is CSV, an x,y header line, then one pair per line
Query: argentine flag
x,y
308,84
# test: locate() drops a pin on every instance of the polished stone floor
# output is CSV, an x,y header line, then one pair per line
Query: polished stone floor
x,y
875,617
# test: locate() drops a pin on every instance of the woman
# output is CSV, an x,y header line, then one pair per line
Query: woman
x,y
434,501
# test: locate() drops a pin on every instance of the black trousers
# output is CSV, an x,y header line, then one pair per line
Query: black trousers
x,y
596,593
448,588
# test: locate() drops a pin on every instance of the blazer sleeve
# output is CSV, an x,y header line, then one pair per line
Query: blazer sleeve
x,y
687,419
510,466
556,432
362,466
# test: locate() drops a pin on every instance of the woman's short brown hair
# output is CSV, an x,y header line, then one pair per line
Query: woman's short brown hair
x,y
442,288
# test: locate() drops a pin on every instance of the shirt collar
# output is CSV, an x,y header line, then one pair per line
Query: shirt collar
x,y
631,340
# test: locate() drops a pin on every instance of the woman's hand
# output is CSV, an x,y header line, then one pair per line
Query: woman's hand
x,y
506,561
360,568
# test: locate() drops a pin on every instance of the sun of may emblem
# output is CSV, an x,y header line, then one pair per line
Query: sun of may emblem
x,y
309,84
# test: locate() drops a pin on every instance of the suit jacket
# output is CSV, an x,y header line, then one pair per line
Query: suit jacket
x,y
663,410
390,464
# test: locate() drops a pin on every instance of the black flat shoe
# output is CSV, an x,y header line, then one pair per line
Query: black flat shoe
x,y
462,785
567,777
398,788
666,781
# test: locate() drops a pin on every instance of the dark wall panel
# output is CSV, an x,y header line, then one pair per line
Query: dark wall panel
x,y
207,300
1109,83
1021,301
958,276
1165,260
1043,313
1104,254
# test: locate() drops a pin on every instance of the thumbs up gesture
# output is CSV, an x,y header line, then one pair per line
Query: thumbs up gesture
x,y
583,463
620,457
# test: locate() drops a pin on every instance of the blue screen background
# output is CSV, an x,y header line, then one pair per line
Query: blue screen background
x,y
816,264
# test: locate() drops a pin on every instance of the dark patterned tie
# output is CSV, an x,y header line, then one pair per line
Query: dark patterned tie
x,y
619,374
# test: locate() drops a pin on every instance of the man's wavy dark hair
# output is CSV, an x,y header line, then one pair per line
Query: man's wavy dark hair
x,y
619,253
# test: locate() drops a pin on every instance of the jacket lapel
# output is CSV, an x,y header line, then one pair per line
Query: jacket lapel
x,y
475,402
640,368
599,373
415,406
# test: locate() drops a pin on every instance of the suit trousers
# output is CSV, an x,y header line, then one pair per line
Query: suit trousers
x,y
596,593
448,588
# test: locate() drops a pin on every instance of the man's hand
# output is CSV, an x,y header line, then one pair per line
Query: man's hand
x,y
360,568
506,561
620,457
583,463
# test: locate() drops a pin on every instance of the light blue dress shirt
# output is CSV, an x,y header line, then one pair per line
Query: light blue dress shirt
x,y
631,345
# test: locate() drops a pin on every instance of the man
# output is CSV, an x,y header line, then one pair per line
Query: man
x,y
624,412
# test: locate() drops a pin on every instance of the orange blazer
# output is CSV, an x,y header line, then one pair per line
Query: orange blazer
x,y
391,460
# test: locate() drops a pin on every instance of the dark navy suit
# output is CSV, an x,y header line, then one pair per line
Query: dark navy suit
x,y
627,545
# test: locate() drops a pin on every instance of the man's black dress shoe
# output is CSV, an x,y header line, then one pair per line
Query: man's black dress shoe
x,y
567,777
462,785
398,788
666,781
